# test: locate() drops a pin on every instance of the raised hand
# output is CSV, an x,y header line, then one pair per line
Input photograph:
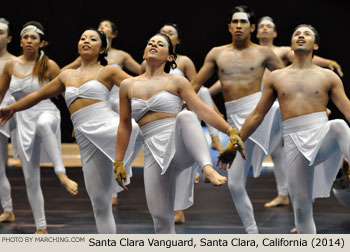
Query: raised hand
x,y
333,65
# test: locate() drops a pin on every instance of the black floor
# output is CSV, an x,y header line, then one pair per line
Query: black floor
x,y
212,213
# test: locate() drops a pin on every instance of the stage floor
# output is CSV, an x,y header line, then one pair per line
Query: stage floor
x,y
213,211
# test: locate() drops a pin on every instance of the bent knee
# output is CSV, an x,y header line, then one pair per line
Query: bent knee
x,y
339,126
45,124
186,116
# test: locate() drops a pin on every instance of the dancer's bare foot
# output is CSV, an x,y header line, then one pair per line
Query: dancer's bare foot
x,y
70,185
179,217
216,144
293,230
41,231
115,201
7,216
196,178
280,200
213,176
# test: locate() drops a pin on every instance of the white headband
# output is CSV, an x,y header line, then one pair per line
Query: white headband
x,y
4,26
240,15
32,28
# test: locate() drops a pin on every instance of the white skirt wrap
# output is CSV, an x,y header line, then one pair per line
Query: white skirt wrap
x,y
159,139
266,136
95,127
6,129
159,143
26,123
304,134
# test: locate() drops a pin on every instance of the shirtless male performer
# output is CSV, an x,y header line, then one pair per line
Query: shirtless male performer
x,y
314,146
266,33
241,66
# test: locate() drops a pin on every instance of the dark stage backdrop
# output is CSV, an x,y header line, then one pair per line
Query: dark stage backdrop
x,y
203,23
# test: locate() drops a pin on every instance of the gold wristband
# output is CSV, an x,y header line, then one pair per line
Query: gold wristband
x,y
118,163
232,131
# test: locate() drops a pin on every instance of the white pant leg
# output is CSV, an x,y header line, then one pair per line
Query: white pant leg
x,y
192,153
31,172
159,195
46,127
237,178
204,94
191,146
339,132
279,163
300,177
99,177
5,188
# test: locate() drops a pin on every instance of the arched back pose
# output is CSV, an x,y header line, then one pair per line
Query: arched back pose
x,y
185,67
173,138
313,145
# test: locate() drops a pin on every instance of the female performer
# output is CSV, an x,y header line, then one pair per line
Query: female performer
x,y
173,138
95,124
39,125
122,60
186,68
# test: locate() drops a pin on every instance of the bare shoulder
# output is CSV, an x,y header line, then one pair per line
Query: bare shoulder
x,y
53,64
132,80
184,59
279,72
219,49
127,83
264,50
285,49
63,76
111,69
328,74
6,66
180,82
10,61
121,53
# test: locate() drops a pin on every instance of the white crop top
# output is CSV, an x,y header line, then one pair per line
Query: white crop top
x,y
92,89
176,71
162,101
21,87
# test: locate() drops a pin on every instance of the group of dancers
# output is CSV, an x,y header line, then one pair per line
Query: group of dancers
x,y
275,109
